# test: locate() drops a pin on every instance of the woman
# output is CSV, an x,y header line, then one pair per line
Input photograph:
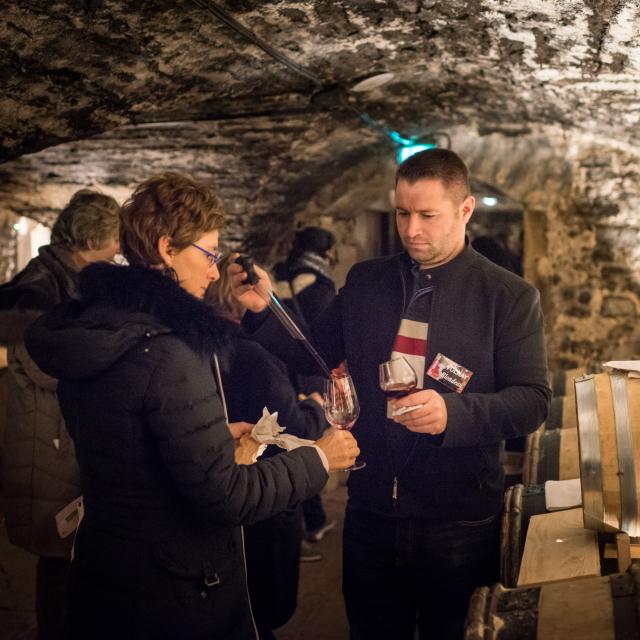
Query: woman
x,y
159,553
39,473
273,545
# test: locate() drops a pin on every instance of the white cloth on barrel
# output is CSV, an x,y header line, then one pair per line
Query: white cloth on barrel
x,y
562,494
631,367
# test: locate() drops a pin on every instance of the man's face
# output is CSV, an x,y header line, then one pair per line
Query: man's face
x,y
431,220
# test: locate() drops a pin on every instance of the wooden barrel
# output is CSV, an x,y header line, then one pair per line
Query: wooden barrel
x,y
520,503
562,381
551,455
602,608
608,407
562,413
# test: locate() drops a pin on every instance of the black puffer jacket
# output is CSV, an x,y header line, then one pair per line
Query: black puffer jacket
x,y
159,553
39,473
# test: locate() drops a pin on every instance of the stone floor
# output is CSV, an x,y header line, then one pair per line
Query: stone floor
x,y
320,614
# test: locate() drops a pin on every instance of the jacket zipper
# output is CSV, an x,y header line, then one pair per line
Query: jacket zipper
x,y
246,584
394,490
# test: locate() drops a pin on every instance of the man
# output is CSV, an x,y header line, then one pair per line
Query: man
x,y
422,528
39,473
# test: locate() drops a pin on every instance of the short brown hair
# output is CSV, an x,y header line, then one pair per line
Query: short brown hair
x,y
171,204
437,164
88,221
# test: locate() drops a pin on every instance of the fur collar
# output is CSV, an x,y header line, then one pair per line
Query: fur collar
x,y
142,290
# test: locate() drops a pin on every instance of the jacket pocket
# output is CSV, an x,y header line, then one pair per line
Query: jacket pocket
x,y
184,561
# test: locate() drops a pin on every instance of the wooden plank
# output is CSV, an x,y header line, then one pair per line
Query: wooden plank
x,y
576,609
624,551
611,551
558,547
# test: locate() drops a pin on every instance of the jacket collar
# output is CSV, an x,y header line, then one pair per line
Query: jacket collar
x,y
140,290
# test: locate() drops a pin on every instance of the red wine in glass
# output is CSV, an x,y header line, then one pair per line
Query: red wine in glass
x,y
397,378
398,389
341,407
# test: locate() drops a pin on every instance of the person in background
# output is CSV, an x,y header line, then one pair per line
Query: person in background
x,y
39,473
421,528
160,553
273,545
304,282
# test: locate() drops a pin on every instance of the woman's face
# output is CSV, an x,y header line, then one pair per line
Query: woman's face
x,y
192,264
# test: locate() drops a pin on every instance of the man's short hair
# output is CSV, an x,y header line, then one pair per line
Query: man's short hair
x,y
437,164
172,204
89,221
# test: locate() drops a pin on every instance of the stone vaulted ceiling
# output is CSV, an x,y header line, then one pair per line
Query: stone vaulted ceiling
x,y
70,69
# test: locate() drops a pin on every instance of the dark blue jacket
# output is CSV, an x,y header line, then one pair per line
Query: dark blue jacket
x,y
482,317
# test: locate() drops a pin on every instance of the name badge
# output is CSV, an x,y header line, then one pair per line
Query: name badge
x,y
449,373
68,519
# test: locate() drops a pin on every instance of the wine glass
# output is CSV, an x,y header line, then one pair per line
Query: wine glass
x,y
341,407
398,379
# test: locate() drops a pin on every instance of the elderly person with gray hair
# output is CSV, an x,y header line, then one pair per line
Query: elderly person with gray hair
x,y
39,472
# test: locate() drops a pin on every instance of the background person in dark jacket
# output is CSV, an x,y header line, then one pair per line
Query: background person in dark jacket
x,y
159,553
421,528
40,474
273,545
305,283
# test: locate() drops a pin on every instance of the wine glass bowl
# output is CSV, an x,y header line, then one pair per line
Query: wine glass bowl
x,y
341,407
397,378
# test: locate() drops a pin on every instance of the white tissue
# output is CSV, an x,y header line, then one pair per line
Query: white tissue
x,y
267,431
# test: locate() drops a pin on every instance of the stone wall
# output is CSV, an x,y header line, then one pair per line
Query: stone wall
x,y
580,197
8,245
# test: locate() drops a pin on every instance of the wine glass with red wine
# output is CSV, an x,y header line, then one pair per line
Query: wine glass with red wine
x,y
397,378
341,407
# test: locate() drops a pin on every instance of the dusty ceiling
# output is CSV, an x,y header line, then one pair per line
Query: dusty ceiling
x,y
69,69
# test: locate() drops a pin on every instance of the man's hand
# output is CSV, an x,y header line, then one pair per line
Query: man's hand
x,y
238,429
246,449
246,294
430,418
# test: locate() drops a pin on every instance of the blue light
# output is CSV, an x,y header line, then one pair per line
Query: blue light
x,y
407,150
490,201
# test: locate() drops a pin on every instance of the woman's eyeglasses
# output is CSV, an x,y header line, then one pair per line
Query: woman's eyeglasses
x,y
212,257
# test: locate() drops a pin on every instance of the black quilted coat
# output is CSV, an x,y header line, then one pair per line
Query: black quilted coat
x,y
159,553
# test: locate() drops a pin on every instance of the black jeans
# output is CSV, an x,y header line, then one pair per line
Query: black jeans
x,y
403,572
52,582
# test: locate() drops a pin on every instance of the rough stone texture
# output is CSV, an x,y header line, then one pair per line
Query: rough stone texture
x,y
8,246
541,100
70,69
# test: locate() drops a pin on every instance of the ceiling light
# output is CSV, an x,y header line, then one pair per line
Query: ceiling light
x,y
373,82
490,201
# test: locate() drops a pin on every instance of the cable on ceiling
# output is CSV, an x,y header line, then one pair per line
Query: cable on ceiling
x,y
230,21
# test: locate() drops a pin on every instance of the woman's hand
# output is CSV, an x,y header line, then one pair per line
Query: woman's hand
x,y
340,447
238,429
247,294
246,450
